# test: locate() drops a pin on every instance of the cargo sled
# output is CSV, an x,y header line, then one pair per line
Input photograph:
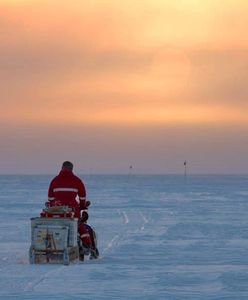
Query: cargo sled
x,y
54,236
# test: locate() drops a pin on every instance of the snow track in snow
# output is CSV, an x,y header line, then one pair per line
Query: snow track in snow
x,y
48,275
145,221
124,232
124,215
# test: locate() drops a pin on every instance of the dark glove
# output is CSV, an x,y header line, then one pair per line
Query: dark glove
x,y
84,204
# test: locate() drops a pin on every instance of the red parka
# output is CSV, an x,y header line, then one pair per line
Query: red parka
x,y
85,233
65,188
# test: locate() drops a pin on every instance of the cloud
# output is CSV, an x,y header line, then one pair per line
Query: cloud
x,y
219,76
105,62
111,83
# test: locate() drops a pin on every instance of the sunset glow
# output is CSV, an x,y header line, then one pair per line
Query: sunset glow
x,y
115,63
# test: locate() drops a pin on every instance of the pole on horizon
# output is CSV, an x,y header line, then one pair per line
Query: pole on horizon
x,y
130,173
185,169
130,170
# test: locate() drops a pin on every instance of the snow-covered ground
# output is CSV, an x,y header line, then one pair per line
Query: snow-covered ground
x,y
159,237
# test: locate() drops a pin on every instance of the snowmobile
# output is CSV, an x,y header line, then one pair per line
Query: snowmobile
x,y
55,238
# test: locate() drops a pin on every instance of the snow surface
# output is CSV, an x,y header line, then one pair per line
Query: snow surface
x,y
159,237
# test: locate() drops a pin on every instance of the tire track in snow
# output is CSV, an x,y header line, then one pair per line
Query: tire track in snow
x,y
125,216
32,284
115,241
145,221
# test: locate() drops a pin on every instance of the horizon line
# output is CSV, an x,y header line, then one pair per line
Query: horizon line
x,y
128,174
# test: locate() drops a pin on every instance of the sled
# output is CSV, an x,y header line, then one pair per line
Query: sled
x,y
54,237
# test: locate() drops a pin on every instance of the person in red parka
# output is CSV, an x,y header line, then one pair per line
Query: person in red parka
x,y
88,244
65,188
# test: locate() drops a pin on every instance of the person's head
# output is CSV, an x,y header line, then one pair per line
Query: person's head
x,y
84,216
67,165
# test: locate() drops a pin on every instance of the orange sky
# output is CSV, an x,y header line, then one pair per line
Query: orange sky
x,y
127,64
